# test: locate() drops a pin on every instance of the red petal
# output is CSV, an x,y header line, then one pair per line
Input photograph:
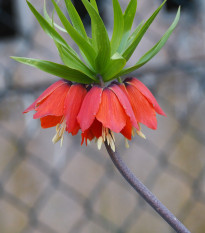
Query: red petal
x,y
143,110
85,136
44,95
95,131
54,104
125,103
89,108
111,113
50,121
127,130
73,103
96,128
146,92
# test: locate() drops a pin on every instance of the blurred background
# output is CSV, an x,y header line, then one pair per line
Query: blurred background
x,y
48,189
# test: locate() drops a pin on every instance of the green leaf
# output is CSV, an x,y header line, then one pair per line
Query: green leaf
x,y
100,38
75,19
155,49
118,28
67,60
132,37
48,18
128,21
129,51
115,65
50,30
94,4
84,46
67,54
129,14
56,69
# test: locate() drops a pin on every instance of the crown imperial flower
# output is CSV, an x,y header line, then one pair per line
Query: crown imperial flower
x,y
99,112
80,101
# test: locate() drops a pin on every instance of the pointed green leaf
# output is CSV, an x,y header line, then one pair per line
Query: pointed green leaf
x,y
49,29
128,21
77,64
94,4
129,14
152,52
118,28
75,19
67,60
132,37
68,56
129,51
87,62
56,69
48,18
85,46
100,37
115,65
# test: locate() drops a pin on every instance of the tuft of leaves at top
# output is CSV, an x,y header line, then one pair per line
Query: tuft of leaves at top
x,y
101,55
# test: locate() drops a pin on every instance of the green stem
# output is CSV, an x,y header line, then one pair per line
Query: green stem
x,y
119,79
102,84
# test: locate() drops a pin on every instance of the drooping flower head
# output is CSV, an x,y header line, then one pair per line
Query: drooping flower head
x,y
119,108
98,112
82,100
58,106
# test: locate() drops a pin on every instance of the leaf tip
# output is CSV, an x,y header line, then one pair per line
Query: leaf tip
x,y
13,57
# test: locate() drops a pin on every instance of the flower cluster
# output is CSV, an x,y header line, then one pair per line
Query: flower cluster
x,y
97,111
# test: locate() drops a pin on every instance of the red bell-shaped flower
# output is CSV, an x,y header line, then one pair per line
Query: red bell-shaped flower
x,y
117,108
103,111
99,112
58,106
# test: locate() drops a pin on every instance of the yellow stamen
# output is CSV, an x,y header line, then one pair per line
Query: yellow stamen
x,y
109,139
139,133
61,141
60,129
107,135
126,143
88,142
112,134
112,144
99,142
133,132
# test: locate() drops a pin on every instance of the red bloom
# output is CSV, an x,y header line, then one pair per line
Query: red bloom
x,y
99,112
58,106
143,102
103,111
117,108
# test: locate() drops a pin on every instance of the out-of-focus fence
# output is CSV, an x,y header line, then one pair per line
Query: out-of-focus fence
x,y
45,189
